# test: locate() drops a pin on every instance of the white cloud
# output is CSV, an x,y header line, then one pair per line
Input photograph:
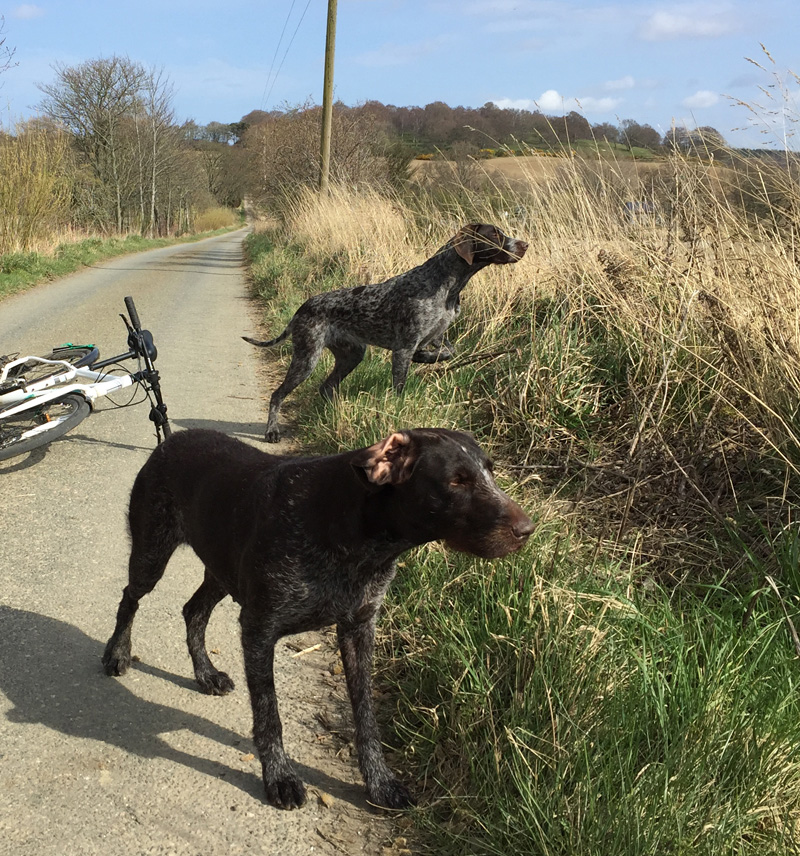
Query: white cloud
x,y
514,8
514,103
684,22
626,82
701,98
552,101
393,54
597,105
27,11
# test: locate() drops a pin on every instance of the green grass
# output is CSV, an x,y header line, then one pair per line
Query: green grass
x,y
19,271
573,699
553,710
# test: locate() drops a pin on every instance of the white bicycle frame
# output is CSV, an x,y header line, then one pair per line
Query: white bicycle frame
x,y
56,386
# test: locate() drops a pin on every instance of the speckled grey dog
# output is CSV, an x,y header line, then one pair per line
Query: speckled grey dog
x,y
301,543
408,314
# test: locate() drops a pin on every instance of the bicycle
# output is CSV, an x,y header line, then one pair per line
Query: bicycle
x,y
42,398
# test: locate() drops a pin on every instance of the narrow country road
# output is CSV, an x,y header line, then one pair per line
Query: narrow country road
x,y
146,764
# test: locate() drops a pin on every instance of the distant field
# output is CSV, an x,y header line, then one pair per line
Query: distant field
x,y
512,168
524,169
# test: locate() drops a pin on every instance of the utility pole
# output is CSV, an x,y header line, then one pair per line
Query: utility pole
x,y
327,99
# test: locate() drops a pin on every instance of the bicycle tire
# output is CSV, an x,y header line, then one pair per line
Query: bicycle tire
x,y
77,356
49,422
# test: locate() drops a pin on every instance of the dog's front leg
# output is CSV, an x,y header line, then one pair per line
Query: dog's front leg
x,y
401,363
436,351
356,643
282,785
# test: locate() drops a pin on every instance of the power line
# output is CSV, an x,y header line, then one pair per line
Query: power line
x,y
288,48
275,55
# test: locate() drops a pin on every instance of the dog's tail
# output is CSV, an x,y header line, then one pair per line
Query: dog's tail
x,y
271,342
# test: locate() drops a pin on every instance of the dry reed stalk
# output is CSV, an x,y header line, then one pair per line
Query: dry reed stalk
x,y
34,188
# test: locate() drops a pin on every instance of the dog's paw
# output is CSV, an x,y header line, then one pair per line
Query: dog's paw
x,y
391,794
216,683
116,665
286,793
273,435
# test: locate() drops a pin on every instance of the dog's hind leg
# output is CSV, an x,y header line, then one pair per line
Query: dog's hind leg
x,y
144,571
196,613
283,788
305,355
154,537
347,358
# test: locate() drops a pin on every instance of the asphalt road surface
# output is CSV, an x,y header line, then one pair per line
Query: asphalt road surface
x,y
146,764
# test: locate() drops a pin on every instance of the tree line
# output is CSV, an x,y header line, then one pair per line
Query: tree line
x,y
438,126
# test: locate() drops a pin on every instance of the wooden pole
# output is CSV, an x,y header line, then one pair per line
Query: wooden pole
x,y
327,99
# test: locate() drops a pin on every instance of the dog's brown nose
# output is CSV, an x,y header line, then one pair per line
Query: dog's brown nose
x,y
523,528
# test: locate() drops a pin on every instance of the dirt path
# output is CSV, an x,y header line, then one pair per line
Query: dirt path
x,y
147,764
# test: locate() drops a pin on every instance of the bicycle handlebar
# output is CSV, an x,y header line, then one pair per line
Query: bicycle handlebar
x,y
134,315
141,341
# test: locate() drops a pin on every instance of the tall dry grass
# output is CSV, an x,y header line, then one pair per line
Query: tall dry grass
x,y
34,188
211,219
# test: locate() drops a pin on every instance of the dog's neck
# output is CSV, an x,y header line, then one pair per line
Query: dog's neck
x,y
449,270
358,519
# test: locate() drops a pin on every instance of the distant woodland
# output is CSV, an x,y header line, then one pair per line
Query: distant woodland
x,y
439,127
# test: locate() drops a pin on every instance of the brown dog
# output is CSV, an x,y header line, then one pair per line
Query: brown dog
x,y
302,543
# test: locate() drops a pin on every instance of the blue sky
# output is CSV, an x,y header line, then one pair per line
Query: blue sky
x,y
654,62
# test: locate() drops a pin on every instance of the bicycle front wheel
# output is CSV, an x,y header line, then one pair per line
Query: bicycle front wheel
x,y
39,426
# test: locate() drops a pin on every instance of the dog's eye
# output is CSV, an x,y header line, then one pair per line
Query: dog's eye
x,y
460,480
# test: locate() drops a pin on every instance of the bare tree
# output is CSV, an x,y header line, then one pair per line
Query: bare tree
x,y
123,123
6,52
94,100
212,158
284,156
158,93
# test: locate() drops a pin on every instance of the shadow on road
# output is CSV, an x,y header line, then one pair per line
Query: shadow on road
x,y
252,430
211,263
242,430
22,462
51,672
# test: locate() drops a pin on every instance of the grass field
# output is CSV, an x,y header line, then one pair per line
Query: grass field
x,y
627,684
521,170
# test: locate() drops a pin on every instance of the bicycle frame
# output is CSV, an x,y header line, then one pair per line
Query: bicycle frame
x,y
36,394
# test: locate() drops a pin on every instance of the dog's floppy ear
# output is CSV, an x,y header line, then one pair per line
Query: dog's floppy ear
x,y
389,461
464,242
